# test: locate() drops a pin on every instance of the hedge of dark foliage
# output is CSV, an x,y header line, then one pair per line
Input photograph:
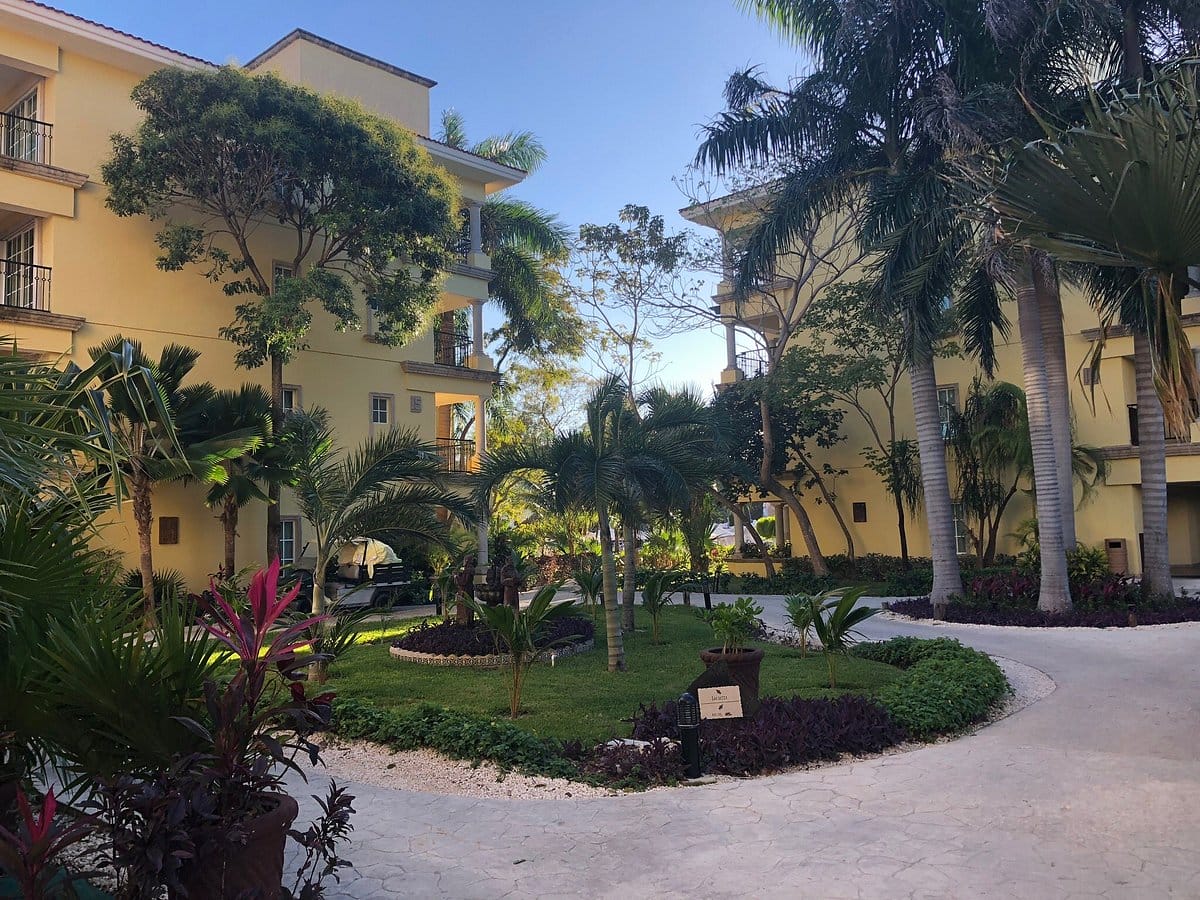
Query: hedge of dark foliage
x,y
1007,614
782,733
453,639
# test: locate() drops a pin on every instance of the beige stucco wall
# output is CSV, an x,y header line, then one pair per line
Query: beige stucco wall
x,y
104,273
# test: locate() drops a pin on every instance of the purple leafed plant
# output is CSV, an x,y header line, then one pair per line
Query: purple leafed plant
x,y
30,854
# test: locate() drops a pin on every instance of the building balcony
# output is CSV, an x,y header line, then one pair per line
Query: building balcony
x,y
451,348
753,363
24,139
457,455
24,285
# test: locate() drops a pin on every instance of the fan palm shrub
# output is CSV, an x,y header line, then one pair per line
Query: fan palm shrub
x,y
1122,190
835,623
519,634
392,486
658,589
590,579
160,435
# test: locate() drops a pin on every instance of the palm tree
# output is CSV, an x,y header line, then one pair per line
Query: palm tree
x,y
614,461
245,410
161,440
1121,191
525,245
390,487
865,124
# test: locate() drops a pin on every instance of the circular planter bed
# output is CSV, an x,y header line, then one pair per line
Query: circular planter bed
x,y
997,614
455,644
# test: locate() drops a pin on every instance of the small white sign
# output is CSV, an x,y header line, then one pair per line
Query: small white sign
x,y
720,702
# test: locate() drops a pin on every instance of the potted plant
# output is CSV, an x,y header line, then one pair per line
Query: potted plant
x,y
257,723
733,624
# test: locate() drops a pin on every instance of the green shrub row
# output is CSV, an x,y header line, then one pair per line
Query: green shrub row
x,y
946,687
456,734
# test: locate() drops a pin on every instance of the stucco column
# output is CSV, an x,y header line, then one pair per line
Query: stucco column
x,y
481,530
739,535
478,359
474,214
730,346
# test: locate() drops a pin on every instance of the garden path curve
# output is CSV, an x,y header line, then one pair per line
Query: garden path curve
x,y
1093,791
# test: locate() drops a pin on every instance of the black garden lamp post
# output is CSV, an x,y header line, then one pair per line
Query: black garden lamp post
x,y
687,717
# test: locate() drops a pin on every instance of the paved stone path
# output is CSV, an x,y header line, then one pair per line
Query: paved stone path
x,y
1093,791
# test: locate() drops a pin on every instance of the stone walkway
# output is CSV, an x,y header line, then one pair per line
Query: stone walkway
x,y
1093,791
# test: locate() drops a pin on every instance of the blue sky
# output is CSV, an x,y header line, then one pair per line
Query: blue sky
x,y
617,90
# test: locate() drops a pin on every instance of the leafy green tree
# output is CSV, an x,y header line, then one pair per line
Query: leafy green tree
x,y
221,152
803,418
391,487
860,347
163,441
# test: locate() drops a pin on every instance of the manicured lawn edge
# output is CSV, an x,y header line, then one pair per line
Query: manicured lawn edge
x,y
946,688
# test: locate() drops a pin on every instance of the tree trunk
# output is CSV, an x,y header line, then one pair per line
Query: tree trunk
x,y
318,672
901,528
1058,388
1152,457
612,620
837,513
229,521
1054,594
274,489
935,484
772,484
629,579
143,516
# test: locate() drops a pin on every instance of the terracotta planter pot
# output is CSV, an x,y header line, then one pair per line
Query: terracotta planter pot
x,y
224,870
743,666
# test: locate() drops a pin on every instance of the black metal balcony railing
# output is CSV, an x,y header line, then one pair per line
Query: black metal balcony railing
x,y
451,348
24,284
753,363
25,139
456,454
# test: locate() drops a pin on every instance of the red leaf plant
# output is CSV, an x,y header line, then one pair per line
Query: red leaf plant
x,y
30,854
255,726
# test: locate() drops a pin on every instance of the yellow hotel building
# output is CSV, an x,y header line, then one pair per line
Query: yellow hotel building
x,y
73,273
1109,518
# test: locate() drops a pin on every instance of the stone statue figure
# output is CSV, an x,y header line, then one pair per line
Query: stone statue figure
x,y
464,588
512,584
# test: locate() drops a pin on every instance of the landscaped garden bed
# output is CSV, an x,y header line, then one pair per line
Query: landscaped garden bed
x,y
571,712
455,644
1010,598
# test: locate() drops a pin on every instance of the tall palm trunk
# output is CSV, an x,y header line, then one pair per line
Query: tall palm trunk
x,y
1058,389
629,579
229,522
935,483
274,489
143,515
1054,594
1152,457
318,672
612,620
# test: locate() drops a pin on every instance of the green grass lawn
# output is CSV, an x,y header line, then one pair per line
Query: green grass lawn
x,y
578,697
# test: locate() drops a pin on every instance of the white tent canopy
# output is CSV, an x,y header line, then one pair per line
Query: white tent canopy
x,y
367,551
